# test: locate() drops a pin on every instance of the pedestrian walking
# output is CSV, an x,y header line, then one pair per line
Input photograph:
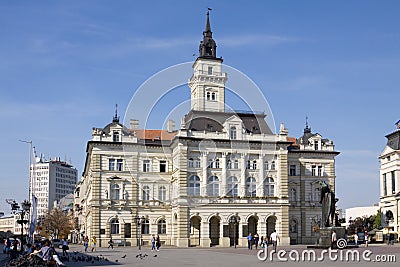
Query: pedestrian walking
x,y
356,239
111,243
256,240
94,243
274,240
86,243
250,241
65,247
153,243
158,243
366,238
7,246
333,239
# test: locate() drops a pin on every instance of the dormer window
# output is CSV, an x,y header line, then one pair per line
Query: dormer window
x,y
232,133
115,136
316,145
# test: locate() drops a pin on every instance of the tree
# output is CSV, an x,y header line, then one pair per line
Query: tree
x,y
56,224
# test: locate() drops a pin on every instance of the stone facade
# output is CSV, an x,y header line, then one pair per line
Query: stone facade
x,y
189,184
390,182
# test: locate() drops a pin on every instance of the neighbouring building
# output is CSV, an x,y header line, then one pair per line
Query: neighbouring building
x,y
51,181
219,177
360,212
390,182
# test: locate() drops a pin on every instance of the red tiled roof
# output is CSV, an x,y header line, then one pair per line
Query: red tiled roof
x,y
155,134
291,139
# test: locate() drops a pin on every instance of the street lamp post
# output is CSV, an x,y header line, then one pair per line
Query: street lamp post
x,y
234,220
139,221
22,211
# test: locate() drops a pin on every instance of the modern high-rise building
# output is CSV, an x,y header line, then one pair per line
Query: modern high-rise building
x,y
51,180
222,175
390,182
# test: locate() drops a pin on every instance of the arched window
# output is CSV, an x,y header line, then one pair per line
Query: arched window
x,y
115,192
213,186
229,164
251,186
162,193
217,163
232,133
269,187
232,186
190,163
197,163
236,164
114,226
266,165
161,227
273,165
194,186
248,164
116,136
210,163
254,165
213,96
208,95
146,192
293,194
146,227
317,194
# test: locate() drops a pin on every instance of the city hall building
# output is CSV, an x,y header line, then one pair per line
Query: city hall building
x,y
219,177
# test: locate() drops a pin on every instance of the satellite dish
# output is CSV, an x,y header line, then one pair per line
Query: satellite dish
x,y
37,159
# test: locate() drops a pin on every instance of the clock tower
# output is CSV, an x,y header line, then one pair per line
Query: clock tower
x,y
208,81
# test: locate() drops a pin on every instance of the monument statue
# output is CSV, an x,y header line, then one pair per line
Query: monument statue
x,y
328,205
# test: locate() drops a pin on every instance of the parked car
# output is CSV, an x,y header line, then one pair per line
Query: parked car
x,y
57,243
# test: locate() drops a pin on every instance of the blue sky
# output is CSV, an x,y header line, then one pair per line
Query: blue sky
x,y
64,65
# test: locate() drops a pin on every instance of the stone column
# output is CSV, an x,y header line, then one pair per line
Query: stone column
x,y
223,175
204,164
205,234
223,241
242,166
260,182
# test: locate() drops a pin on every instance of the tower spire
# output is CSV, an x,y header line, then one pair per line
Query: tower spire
x,y
307,129
116,117
208,47
208,27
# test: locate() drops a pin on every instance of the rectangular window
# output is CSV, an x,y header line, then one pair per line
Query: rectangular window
x,y
316,144
384,185
146,165
393,183
163,166
313,169
210,70
111,164
292,170
320,171
120,165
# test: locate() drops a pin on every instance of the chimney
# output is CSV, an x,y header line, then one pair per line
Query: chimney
x,y
134,124
170,126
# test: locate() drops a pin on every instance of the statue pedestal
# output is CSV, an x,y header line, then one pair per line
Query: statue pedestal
x,y
325,238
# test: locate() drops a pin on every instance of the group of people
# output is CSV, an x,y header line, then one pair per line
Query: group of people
x,y
262,242
86,243
155,243
44,250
